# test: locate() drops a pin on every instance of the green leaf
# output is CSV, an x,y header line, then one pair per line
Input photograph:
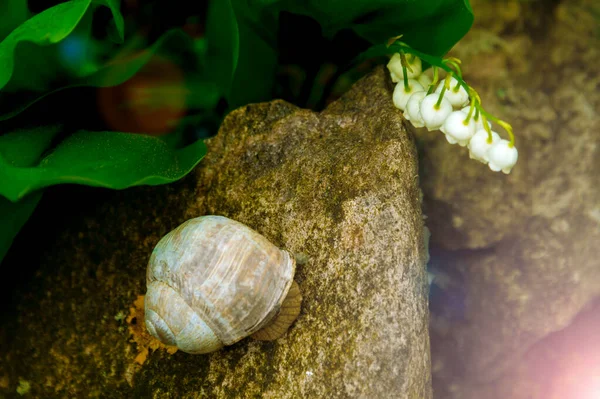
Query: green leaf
x,y
202,92
13,216
102,159
45,28
431,26
222,38
20,48
382,49
117,17
21,149
24,148
257,59
14,13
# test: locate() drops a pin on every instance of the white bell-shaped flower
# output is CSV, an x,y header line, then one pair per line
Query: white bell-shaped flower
x,y
396,71
457,129
401,94
433,116
478,121
502,156
479,145
412,112
458,97
425,81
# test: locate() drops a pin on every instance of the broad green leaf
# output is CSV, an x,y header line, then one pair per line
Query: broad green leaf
x,y
47,27
117,17
257,59
24,148
36,66
202,93
431,26
14,13
13,216
256,69
102,159
20,149
222,39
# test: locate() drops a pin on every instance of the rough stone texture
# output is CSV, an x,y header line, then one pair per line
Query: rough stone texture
x,y
517,255
340,186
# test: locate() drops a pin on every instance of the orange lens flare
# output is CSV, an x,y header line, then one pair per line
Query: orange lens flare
x,y
151,102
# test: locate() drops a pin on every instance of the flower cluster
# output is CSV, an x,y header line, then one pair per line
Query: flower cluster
x,y
452,107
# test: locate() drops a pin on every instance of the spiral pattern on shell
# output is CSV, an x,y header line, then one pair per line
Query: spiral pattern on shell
x,y
212,282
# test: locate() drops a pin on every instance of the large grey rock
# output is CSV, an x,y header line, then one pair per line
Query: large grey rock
x,y
517,255
340,186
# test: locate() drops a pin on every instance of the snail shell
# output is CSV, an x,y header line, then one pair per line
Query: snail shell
x,y
214,281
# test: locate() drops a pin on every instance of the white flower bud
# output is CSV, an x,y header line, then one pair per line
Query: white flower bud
x,y
434,117
395,67
478,121
401,95
412,112
458,98
456,130
502,156
479,145
424,80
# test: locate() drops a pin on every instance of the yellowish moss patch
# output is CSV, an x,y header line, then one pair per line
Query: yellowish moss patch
x,y
137,329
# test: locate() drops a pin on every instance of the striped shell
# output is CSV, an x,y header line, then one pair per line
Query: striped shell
x,y
212,282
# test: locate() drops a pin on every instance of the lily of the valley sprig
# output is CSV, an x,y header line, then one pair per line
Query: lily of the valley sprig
x,y
449,105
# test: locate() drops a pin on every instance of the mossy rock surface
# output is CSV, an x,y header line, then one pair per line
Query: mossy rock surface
x,y
340,186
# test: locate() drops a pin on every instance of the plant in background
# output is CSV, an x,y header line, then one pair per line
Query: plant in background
x,y
115,95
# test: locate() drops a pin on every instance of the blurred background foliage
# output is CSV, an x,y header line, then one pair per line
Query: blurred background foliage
x,y
115,94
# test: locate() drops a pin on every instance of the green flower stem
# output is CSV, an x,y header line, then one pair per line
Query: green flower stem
x,y
447,65
454,62
508,129
406,87
439,101
447,81
474,96
404,62
503,124
405,66
446,87
487,128
468,118
403,47
435,80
